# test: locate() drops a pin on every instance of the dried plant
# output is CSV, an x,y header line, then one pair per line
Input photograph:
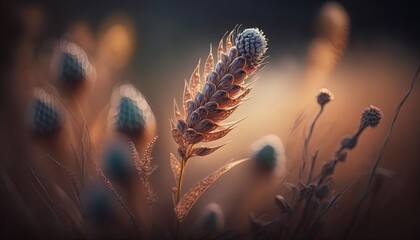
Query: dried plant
x,y
72,67
145,169
213,92
129,112
45,114
206,104
311,201
369,119
323,97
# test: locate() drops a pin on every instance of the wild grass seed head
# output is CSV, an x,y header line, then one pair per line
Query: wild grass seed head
x,y
207,104
45,113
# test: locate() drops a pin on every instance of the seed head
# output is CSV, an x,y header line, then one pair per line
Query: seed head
x,y
207,103
72,65
45,113
252,44
130,112
371,116
324,96
212,218
118,163
268,152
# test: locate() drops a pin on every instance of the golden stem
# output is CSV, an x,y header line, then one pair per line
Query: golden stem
x,y
181,174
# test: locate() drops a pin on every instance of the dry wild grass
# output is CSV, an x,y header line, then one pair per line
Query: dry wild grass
x,y
205,107
71,155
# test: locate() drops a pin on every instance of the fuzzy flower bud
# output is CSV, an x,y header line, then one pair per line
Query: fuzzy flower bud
x,y
371,116
72,66
324,96
130,113
212,218
118,162
45,113
252,44
268,153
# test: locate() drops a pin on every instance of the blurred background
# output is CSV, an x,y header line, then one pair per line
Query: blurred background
x,y
365,52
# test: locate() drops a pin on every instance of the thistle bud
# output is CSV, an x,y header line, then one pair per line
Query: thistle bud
x,y
118,162
45,113
252,44
268,153
324,96
371,117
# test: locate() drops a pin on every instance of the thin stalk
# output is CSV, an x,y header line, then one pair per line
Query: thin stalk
x,y
311,170
308,200
181,176
306,142
381,151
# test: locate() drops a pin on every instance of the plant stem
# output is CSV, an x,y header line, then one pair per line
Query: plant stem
x,y
311,170
381,151
306,142
181,175
178,194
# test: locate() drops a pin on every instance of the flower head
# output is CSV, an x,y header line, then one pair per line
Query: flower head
x,y
118,161
371,117
45,111
72,65
212,218
252,44
130,113
324,96
268,153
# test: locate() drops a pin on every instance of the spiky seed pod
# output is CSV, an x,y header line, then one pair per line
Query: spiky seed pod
x,y
324,96
45,114
252,44
118,163
129,113
207,104
72,66
371,117
212,218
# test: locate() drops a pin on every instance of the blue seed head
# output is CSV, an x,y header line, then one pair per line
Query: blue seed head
x,y
45,117
268,153
252,44
118,162
130,117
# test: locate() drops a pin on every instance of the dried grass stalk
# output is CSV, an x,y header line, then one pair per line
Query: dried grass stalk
x,y
145,169
188,200
69,174
206,104
175,166
116,194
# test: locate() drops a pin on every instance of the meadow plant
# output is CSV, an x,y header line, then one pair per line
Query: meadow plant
x,y
119,164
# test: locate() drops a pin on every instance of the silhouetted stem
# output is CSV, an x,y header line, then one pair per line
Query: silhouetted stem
x,y
381,151
311,170
306,142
